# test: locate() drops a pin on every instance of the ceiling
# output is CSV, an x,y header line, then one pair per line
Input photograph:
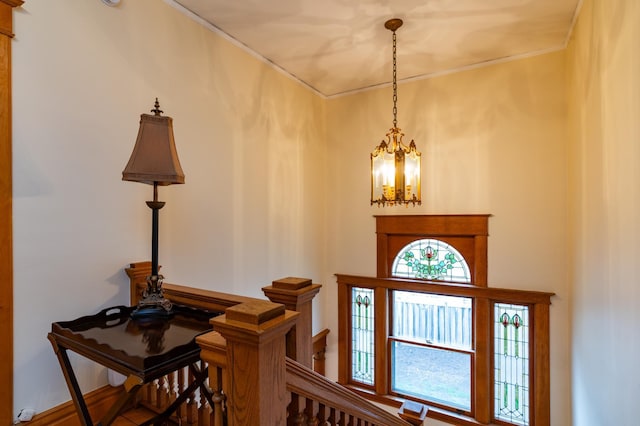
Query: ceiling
x,y
341,46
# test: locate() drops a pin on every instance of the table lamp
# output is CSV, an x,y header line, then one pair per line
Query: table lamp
x,y
154,161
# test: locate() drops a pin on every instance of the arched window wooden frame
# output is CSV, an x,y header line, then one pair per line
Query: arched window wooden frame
x,y
467,233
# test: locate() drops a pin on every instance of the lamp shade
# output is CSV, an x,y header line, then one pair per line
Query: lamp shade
x,y
395,171
154,158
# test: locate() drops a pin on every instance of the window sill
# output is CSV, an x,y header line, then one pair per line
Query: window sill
x,y
435,413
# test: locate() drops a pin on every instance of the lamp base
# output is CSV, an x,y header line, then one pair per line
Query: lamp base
x,y
151,313
153,305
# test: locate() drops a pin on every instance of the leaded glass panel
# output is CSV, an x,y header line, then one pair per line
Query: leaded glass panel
x,y
362,332
431,259
511,363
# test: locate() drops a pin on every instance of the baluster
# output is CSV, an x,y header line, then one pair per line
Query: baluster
x,y
331,419
191,405
212,417
218,395
312,418
144,396
181,411
204,411
296,415
151,393
161,394
335,417
322,415
172,384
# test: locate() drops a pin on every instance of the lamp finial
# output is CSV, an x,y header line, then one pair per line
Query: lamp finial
x,y
156,110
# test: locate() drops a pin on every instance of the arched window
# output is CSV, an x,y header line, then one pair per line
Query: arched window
x,y
431,259
450,341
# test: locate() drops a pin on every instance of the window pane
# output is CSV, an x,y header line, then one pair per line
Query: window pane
x,y
432,319
511,363
432,374
362,332
431,259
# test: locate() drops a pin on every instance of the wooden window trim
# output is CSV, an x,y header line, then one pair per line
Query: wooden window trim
x,y
6,225
407,228
468,234
484,299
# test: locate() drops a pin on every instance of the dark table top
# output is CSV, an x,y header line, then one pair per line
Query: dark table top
x,y
145,348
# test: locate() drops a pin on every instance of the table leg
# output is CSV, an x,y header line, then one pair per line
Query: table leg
x,y
72,382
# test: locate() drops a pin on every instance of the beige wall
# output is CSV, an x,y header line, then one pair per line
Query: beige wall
x,y
493,141
604,72
562,187
248,137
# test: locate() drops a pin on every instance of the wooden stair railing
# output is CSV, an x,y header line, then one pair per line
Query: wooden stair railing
x,y
311,399
295,293
196,411
315,400
319,351
265,386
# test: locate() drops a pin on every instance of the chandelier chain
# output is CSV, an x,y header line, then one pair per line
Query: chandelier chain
x,y
395,85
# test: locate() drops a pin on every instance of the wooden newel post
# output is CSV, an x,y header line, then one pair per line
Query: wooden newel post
x,y
297,294
138,273
256,369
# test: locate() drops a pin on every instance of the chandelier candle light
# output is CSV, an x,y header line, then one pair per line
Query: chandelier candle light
x,y
154,161
395,168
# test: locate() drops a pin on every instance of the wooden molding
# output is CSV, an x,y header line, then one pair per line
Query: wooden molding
x,y
297,294
485,298
467,233
6,211
256,368
183,295
99,401
12,3
6,16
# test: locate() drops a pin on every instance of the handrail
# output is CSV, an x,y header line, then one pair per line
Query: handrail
x,y
319,351
309,386
313,398
184,295
306,383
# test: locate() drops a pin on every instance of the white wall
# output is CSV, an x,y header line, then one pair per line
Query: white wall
x,y
250,141
604,65
493,140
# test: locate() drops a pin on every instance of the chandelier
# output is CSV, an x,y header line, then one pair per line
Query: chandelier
x,y
395,167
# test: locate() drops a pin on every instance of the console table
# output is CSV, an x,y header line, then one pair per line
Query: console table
x,y
140,350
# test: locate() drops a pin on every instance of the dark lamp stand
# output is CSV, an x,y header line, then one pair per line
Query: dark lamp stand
x,y
154,161
153,303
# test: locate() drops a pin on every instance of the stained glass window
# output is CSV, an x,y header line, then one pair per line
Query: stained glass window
x,y
431,259
511,363
362,343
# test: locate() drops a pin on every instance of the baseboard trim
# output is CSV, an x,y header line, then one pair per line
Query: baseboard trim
x,y
98,401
